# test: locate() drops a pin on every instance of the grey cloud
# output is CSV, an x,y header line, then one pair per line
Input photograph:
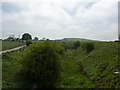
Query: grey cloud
x,y
57,20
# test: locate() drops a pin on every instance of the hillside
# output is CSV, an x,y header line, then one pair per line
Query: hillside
x,y
78,69
76,39
101,63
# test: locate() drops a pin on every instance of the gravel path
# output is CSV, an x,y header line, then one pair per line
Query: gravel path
x,y
17,48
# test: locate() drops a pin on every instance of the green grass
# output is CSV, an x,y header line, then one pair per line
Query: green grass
x,y
10,44
101,64
10,66
71,77
78,69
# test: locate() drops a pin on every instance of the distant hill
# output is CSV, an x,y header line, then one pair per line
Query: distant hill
x,y
75,39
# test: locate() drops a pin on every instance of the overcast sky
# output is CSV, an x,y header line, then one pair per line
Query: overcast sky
x,y
52,19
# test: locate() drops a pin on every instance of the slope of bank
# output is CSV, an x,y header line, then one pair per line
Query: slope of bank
x,y
101,63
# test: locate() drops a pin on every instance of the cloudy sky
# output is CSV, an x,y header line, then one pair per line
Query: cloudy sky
x,y
55,19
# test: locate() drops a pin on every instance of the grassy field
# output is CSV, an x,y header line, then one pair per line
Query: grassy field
x,y
78,69
10,44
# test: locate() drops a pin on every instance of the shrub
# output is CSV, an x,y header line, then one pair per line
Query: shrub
x,y
88,46
28,43
62,48
76,44
68,46
40,65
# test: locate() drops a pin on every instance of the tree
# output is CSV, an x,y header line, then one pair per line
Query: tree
x,y
47,39
16,39
43,39
28,43
36,39
76,44
10,38
26,36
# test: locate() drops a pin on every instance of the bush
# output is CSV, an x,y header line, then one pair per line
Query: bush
x,y
76,44
28,43
40,65
68,46
88,47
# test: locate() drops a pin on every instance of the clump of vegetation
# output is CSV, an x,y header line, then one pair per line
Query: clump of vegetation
x,y
26,36
61,49
88,46
76,44
28,43
40,65
68,46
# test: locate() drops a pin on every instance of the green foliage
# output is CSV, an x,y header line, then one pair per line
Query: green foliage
x,y
101,64
71,77
40,65
75,69
76,44
61,49
10,66
28,43
36,39
10,39
88,46
68,46
26,36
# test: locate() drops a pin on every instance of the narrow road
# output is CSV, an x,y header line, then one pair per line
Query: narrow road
x,y
17,48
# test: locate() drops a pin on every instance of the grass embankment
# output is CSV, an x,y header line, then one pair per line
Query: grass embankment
x,y
101,64
10,44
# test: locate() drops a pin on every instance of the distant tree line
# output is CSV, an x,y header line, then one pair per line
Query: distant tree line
x,y
25,36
